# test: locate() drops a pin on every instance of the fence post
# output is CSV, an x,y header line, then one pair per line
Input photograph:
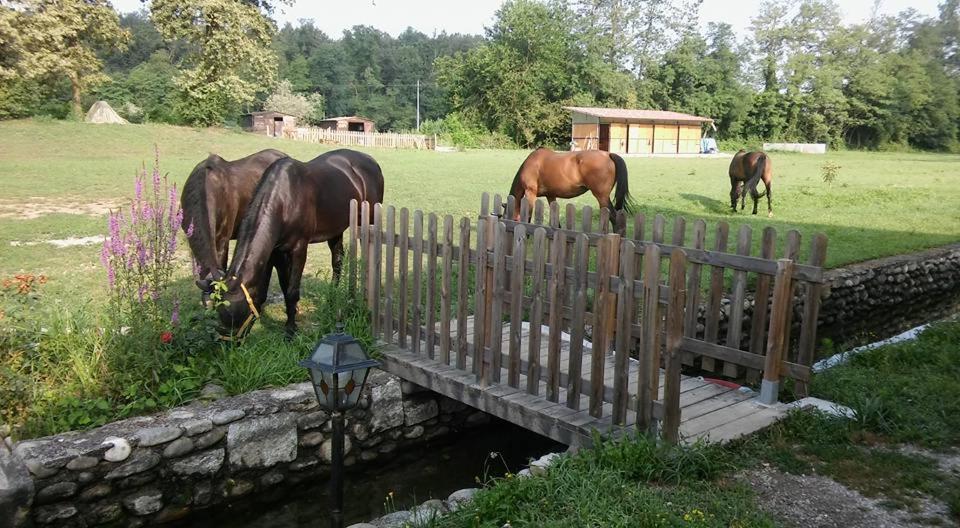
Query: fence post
x,y
782,286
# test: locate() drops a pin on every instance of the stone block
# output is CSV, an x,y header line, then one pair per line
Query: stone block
x,y
97,491
326,449
206,463
54,512
16,489
178,448
195,427
312,420
311,439
262,442
152,436
386,406
56,492
228,416
81,463
417,410
141,461
144,502
460,497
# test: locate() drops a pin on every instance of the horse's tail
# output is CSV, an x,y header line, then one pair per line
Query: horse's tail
x,y
758,171
621,198
196,217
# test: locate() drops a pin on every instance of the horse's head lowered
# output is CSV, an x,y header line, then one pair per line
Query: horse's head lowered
x,y
239,311
206,285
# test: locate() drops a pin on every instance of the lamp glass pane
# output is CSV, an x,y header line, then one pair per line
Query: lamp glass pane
x,y
353,387
327,391
352,353
323,354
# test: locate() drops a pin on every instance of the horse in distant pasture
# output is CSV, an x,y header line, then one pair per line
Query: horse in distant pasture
x,y
570,174
214,200
295,204
746,171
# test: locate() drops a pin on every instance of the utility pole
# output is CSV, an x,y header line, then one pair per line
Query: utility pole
x,y
418,105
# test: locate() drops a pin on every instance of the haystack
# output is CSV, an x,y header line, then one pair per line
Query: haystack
x,y
101,112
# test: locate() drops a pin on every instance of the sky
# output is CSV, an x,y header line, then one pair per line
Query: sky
x,y
458,16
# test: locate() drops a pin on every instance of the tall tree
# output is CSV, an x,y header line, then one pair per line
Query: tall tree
x,y
51,38
232,58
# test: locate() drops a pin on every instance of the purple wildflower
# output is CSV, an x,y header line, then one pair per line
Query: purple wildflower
x,y
189,227
175,314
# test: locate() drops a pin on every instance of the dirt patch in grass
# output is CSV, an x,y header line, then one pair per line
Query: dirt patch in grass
x,y
815,501
36,207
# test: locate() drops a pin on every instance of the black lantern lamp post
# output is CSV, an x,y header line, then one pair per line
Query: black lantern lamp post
x,y
338,369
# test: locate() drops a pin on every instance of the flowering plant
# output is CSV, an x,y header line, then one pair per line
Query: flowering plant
x,y
140,247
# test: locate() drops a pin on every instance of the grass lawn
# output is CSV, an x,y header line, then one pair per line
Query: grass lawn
x,y
880,204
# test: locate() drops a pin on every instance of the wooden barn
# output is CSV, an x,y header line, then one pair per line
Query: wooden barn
x,y
349,124
268,122
628,131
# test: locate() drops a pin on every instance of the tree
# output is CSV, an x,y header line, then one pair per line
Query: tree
x,y
305,107
231,60
60,39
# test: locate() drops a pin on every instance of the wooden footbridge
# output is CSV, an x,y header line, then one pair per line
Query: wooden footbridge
x,y
567,329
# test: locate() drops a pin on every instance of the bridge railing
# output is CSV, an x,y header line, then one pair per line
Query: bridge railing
x,y
445,291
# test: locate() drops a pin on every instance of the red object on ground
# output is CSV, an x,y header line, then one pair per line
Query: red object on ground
x,y
723,383
166,337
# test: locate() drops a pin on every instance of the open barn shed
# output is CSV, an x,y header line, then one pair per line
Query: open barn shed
x,y
268,122
348,124
630,131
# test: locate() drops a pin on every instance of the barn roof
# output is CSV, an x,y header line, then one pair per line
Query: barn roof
x,y
644,115
264,112
348,118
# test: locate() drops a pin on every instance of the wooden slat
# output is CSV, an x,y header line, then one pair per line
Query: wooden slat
x,y
511,210
638,226
672,359
538,212
430,308
658,224
648,376
416,309
364,249
463,293
404,285
693,282
554,214
739,293
576,324
743,358
678,237
776,336
390,272
376,250
480,314
446,289
352,257
602,331
811,309
496,309
586,219
624,321
555,292
714,303
791,250
604,220
758,321
536,312
524,210
516,304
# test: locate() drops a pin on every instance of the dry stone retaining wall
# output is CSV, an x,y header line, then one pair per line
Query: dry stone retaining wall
x,y
159,468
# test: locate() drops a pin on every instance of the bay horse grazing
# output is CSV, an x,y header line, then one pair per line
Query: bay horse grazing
x,y
214,200
296,204
746,171
570,174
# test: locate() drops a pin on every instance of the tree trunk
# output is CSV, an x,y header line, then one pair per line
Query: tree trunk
x,y
75,89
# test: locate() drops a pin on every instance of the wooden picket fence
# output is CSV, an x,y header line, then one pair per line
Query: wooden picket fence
x,y
362,139
462,296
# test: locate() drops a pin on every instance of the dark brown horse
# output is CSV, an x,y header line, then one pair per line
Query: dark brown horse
x,y
296,204
746,171
570,174
214,200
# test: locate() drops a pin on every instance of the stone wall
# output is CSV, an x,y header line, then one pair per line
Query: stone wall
x,y
873,299
883,297
159,468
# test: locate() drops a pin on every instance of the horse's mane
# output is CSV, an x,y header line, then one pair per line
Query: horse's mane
x,y
194,200
261,196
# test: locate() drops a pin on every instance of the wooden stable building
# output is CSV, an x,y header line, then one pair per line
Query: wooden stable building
x,y
268,122
628,131
348,124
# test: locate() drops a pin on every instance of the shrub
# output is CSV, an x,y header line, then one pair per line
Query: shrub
x,y
140,249
463,132
829,171
305,107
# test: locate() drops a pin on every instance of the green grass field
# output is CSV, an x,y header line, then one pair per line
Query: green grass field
x,y
880,204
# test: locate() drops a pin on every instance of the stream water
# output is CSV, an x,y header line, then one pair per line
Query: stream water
x,y
432,471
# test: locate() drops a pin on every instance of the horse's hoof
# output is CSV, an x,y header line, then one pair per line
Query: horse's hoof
x,y
770,214
289,332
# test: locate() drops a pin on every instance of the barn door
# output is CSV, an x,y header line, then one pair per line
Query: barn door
x,y
605,137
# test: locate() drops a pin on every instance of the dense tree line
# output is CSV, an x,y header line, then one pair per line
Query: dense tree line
x,y
797,74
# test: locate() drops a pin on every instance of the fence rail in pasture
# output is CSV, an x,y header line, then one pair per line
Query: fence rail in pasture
x,y
562,326
362,139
